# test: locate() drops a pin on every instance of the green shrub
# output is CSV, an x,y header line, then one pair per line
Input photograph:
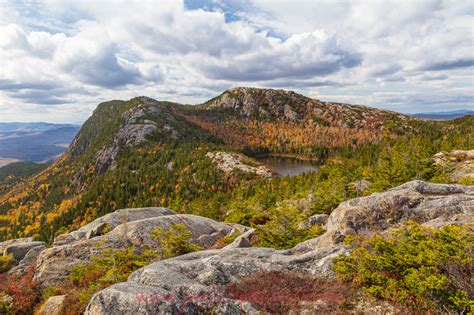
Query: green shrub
x,y
283,231
417,266
49,292
175,241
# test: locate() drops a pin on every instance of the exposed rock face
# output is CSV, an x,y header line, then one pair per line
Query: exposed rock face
x,y
293,107
202,276
206,273
29,259
317,219
134,130
460,164
54,263
110,221
16,241
230,162
242,240
431,204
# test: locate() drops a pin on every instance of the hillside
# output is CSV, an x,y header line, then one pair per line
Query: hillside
x,y
14,172
143,152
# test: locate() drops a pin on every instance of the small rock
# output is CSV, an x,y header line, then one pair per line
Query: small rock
x,y
97,230
242,240
53,306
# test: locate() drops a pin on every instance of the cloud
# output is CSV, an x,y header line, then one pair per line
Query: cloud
x,y
72,55
450,64
301,56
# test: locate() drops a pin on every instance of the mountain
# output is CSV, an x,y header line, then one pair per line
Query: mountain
x,y
145,180
444,115
276,121
35,142
144,152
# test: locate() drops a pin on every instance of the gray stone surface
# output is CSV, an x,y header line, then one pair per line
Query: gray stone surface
x,y
54,263
430,204
242,240
317,219
203,275
29,259
5,244
112,220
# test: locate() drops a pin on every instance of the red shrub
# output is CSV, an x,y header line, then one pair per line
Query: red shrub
x,y
280,292
23,289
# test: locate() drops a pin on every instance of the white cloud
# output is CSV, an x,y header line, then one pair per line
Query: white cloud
x,y
71,55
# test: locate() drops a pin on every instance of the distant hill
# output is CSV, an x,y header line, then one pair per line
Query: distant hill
x,y
34,142
14,172
448,115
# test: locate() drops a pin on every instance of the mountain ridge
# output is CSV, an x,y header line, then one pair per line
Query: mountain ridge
x,y
145,152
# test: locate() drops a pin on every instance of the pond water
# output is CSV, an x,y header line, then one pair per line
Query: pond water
x,y
285,166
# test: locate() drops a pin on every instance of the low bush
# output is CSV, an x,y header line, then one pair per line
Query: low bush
x,y
20,293
280,292
175,241
422,268
113,266
283,231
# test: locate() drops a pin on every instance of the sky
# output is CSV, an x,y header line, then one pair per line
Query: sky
x,y
59,59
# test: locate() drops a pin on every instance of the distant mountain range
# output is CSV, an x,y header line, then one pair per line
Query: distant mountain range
x,y
34,142
444,115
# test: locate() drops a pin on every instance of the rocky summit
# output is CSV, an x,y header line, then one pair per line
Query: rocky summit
x,y
207,273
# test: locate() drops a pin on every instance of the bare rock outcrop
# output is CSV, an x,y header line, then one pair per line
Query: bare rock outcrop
x,y
134,130
195,283
458,163
19,248
231,162
431,204
54,263
110,221
186,283
55,305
